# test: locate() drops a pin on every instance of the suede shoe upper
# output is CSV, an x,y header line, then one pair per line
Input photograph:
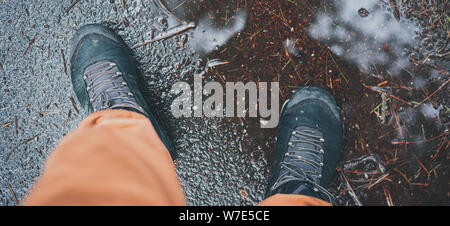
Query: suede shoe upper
x,y
105,75
308,145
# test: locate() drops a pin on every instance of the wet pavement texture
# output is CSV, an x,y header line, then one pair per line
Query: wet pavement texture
x,y
386,63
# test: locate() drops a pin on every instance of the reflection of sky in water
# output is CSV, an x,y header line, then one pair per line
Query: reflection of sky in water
x,y
376,39
207,37
211,30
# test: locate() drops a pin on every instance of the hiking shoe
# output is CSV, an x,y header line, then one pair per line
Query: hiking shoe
x,y
105,75
308,145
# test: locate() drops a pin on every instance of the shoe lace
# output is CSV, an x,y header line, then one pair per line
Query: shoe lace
x,y
295,156
107,88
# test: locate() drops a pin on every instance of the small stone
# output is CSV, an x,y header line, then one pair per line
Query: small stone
x,y
363,12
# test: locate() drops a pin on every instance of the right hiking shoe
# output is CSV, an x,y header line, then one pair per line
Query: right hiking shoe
x,y
308,145
105,76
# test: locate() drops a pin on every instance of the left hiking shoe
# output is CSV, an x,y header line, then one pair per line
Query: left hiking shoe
x,y
308,145
105,75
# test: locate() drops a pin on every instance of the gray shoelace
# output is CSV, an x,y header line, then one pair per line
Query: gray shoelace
x,y
107,88
297,167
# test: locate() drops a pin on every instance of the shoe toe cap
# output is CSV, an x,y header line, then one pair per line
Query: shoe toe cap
x,y
91,30
311,95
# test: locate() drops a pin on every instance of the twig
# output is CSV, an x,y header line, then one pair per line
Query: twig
x,y
64,61
21,143
30,44
420,163
377,89
178,5
419,141
395,9
403,175
439,149
431,66
74,104
72,5
215,62
388,197
14,195
126,22
284,21
397,121
340,72
168,34
286,64
357,172
378,180
167,11
372,157
31,70
350,191
428,97
9,154
15,123
6,124
441,55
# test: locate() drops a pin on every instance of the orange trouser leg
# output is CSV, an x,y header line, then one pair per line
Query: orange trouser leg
x,y
293,200
115,157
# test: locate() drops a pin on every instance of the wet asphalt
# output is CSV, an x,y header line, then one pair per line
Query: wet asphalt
x,y
214,165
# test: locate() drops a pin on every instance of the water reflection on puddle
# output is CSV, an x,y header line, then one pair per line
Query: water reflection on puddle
x,y
207,38
372,35
365,33
215,23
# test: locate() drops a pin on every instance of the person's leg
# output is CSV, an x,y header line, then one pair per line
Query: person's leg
x,y
293,200
308,148
113,158
119,155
